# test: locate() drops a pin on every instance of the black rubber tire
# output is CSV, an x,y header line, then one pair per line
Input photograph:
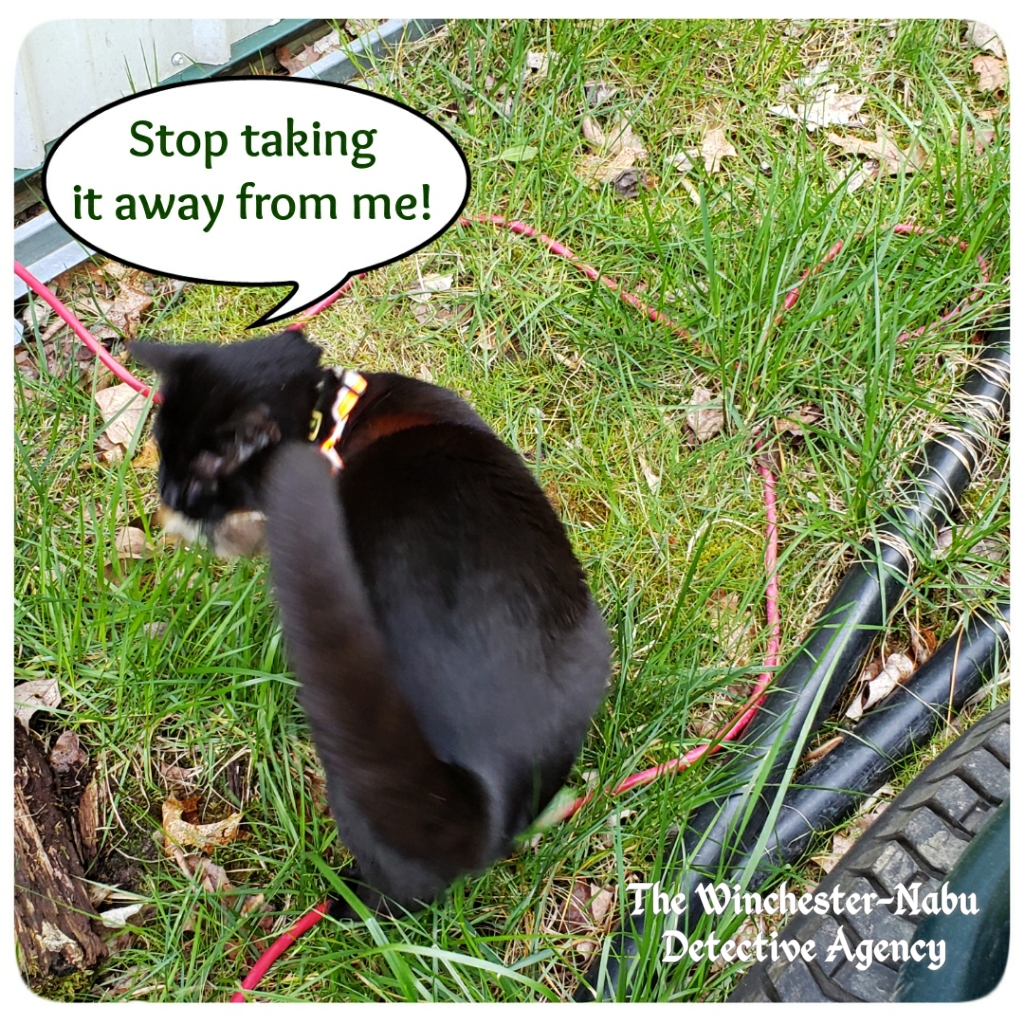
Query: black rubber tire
x,y
919,838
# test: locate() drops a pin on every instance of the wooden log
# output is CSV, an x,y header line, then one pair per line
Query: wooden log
x,y
51,909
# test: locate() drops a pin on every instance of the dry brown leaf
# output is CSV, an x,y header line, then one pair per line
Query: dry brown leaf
x,y
149,457
174,773
598,93
652,478
864,821
131,542
614,152
178,832
117,917
585,910
485,338
897,668
127,309
807,416
212,876
252,902
706,416
980,139
573,361
601,904
426,285
826,748
984,38
867,171
683,161
628,183
922,643
299,61
34,695
841,845
125,406
827,106
991,72
317,783
891,157
714,148
360,26
67,754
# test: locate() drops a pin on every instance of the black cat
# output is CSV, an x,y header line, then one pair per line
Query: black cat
x,y
449,650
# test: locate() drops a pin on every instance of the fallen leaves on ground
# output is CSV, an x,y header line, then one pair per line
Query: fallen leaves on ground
x,y
131,542
428,285
714,147
66,754
294,63
117,917
706,416
34,695
149,457
176,774
922,643
574,361
841,845
991,72
844,840
820,751
485,338
683,163
123,406
823,107
615,151
652,478
126,311
793,426
597,93
581,910
984,38
816,103
895,160
178,832
878,681
981,139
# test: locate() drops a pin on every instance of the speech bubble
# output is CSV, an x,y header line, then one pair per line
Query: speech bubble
x,y
257,181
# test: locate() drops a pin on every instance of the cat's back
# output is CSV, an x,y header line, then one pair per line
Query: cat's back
x,y
489,624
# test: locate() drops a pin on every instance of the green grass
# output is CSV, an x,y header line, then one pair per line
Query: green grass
x,y
584,387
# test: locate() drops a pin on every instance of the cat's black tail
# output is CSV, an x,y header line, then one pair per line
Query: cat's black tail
x,y
368,739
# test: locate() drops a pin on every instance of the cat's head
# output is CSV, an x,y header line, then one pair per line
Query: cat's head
x,y
223,410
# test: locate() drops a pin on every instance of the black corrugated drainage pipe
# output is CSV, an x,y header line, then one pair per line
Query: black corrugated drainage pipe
x,y
805,691
828,792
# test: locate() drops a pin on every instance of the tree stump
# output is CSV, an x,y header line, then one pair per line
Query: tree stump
x,y
51,909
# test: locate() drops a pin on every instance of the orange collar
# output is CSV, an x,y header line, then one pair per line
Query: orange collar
x,y
350,390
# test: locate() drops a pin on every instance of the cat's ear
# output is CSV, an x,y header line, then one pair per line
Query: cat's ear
x,y
156,355
243,436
